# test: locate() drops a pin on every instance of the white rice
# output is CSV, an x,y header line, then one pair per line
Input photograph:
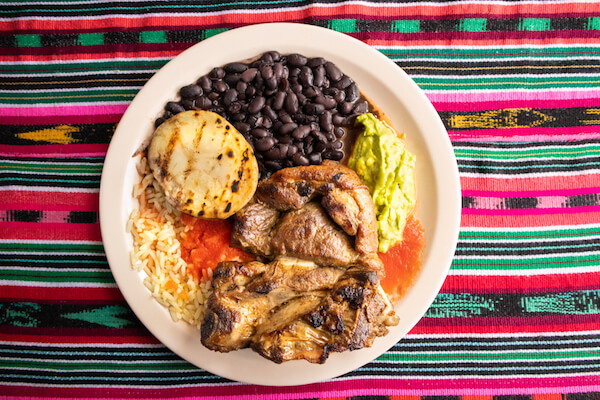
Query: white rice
x,y
156,229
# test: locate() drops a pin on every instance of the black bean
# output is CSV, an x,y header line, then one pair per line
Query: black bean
x,y
273,165
340,96
285,139
285,117
336,155
326,121
291,102
250,91
316,61
270,113
315,158
230,96
278,100
249,74
203,102
291,151
284,84
275,55
301,99
271,154
260,133
235,67
344,82
283,149
314,108
159,121
256,105
266,71
301,132
231,79
326,101
360,108
238,117
319,76
213,96
300,159
352,92
333,72
310,92
217,73
205,83
287,129
264,144
345,108
188,104
267,58
296,88
296,60
242,127
319,136
336,144
306,76
220,86
339,132
267,122
174,107
241,87
319,147
271,83
190,91
278,70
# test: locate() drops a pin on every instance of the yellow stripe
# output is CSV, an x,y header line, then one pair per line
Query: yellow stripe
x,y
61,134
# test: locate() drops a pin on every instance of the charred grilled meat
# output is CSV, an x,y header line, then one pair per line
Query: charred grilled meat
x,y
318,289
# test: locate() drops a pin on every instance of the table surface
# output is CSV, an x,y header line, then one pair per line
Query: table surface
x,y
517,85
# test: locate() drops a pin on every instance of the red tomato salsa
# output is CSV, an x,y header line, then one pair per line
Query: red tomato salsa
x,y
206,243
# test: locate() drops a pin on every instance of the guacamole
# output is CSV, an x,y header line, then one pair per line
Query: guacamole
x,y
388,169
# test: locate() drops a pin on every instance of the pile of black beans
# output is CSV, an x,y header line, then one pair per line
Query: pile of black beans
x,y
293,110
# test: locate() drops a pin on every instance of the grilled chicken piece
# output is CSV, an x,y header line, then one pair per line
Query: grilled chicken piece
x,y
340,229
292,309
345,198
245,296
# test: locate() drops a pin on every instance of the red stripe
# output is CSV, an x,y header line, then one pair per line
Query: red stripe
x,y
521,284
539,182
52,231
531,193
60,119
55,150
49,293
76,336
525,221
32,200
40,25
567,323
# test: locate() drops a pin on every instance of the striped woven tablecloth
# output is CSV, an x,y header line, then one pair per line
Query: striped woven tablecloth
x,y
517,85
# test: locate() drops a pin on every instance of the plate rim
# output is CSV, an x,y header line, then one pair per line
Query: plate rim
x,y
109,203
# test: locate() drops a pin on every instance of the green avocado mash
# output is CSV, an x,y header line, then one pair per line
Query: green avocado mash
x,y
388,169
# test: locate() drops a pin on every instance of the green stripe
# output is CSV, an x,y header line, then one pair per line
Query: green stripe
x,y
524,167
52,246
50,167
514,235
560,152
108,94
490,355
54,275
499,82
109,366
522,263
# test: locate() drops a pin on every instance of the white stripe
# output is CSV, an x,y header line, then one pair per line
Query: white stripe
x,y
530,174
457,271
5,282
86,73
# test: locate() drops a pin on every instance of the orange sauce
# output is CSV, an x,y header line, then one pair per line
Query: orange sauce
x,y
403,261
206,243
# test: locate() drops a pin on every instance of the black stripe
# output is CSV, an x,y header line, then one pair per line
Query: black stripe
x,y
57,160
525,145
75,81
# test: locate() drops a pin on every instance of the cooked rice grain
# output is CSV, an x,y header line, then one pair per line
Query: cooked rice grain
x,y
156,229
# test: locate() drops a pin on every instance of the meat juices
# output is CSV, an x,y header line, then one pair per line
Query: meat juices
x,y
318,290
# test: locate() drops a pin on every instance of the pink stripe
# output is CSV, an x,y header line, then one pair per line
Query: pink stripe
x,y
530,211
43,111
531,193
526,134
90,206
339,388
493,104
55,150
481,220
509,95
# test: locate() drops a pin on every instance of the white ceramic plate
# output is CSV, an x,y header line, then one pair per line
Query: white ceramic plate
x,y
381,80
